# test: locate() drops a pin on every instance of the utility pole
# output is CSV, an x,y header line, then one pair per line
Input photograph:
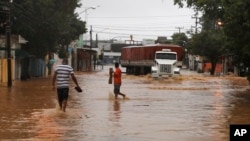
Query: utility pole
x,y
96,46
196,21
90,52
179,28
8,46
96,40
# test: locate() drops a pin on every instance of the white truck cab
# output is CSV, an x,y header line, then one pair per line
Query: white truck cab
x,y
165,64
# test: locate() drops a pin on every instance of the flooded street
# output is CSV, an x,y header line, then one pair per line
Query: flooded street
x,y
191,107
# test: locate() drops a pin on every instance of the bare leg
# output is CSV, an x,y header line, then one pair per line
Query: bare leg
x,y
116,95
123,95
60,104
64,105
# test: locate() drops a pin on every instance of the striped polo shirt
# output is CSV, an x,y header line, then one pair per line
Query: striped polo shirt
x,y
63,73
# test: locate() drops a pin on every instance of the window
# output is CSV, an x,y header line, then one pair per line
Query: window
x,y
169,56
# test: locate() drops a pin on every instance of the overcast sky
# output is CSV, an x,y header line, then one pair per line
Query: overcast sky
x,y
144,19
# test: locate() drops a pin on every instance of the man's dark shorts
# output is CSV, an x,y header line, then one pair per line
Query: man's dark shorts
x,y
117,88
63,94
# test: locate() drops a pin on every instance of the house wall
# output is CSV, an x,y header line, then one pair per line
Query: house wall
x,y
4,71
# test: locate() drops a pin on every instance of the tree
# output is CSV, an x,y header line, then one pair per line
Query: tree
x,y
208,44
46,24
237,26
3,16
235,18
179,39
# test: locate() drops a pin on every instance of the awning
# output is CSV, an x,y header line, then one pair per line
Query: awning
x,y
19,53
2,48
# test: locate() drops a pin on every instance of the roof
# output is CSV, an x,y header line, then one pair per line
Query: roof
x,y
112,54
87,49
19,53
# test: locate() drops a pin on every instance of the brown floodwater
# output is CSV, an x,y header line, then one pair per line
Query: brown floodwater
x,y
190,107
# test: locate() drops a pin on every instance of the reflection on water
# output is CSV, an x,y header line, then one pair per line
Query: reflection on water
x,y
190,107
241,113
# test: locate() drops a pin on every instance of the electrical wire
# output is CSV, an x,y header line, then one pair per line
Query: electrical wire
x,y
143,26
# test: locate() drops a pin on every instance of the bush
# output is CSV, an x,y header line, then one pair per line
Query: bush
x,y
200,71
248,75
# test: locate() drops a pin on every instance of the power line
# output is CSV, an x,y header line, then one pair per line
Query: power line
x,y
145,24
138,26
141,24
139,32
134,34
134,29
138,17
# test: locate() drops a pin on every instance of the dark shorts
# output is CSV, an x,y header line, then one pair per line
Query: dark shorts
x,y
117,88
62,94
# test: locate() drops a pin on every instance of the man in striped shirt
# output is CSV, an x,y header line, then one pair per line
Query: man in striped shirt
x,y
61,76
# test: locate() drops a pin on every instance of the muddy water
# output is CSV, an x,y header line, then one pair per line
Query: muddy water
x,y
190,107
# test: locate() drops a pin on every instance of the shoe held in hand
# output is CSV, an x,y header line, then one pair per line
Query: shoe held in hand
x,y
78,89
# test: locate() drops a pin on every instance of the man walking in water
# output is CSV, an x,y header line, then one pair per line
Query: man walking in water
x,y
61,76
117,81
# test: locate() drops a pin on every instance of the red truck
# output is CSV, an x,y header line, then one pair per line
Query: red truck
x,y
140,59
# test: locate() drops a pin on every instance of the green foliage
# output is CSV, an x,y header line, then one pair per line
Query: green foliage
x,y
46,24
179,39
208,44
3,16
235,18
63,53
237,27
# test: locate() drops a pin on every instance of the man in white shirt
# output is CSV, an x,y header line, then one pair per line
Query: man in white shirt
x,y
61,77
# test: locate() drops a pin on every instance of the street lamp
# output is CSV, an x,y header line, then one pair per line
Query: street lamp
x,y
85,37
86,9
86,18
